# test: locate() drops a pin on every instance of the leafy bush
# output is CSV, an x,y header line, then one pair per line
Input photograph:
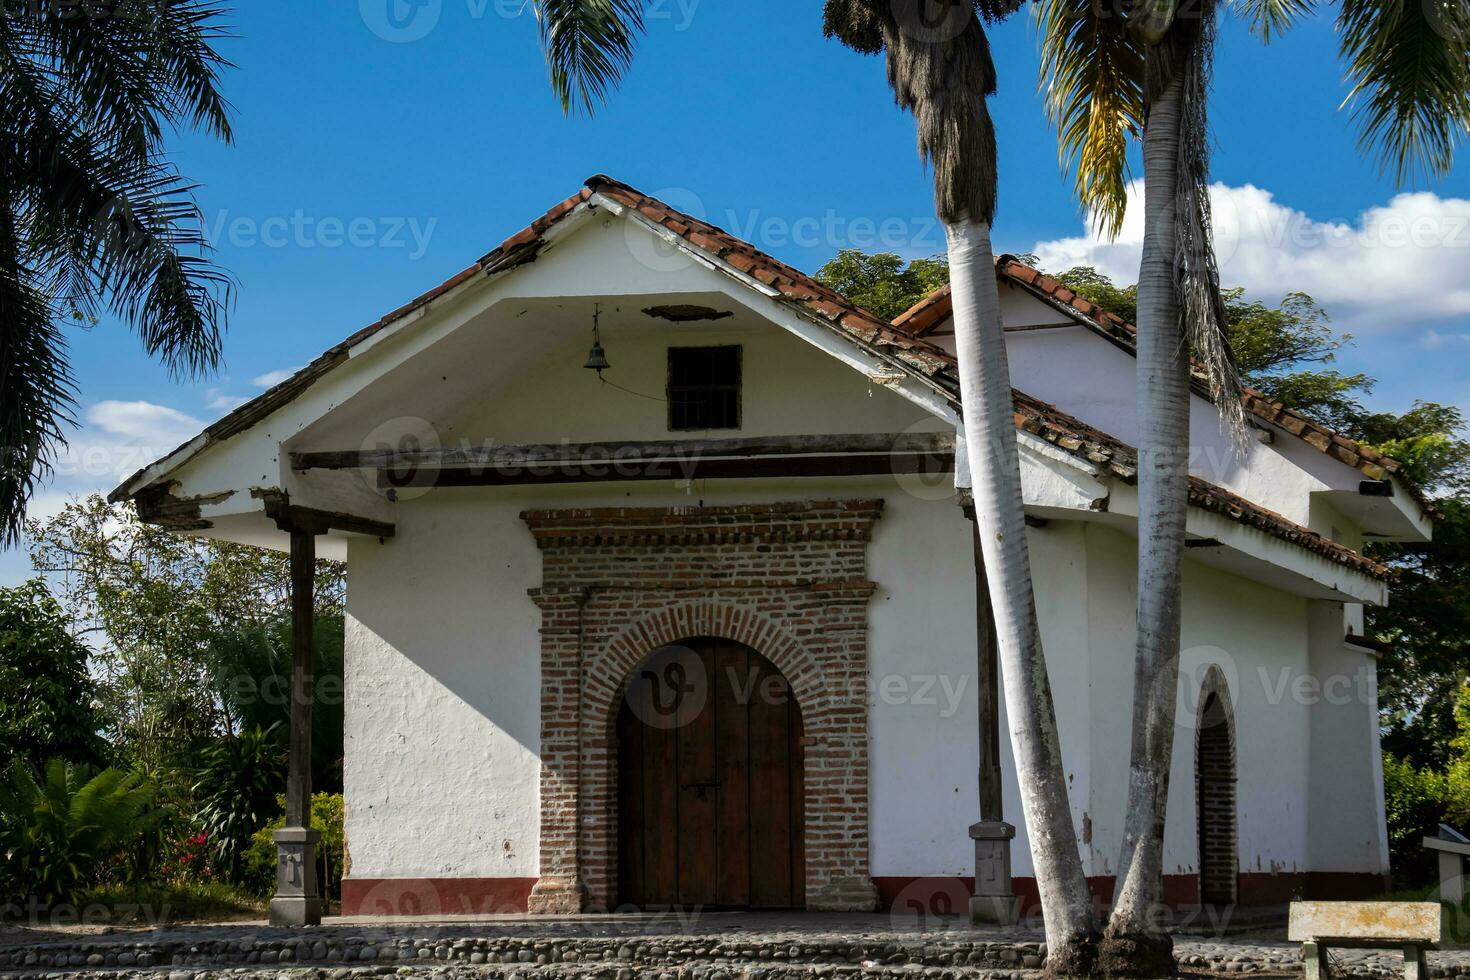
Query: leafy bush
x,y
47,699
58,834
326,816
1416,801
236,787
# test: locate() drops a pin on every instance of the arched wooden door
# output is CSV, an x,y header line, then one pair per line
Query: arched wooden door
x,y
710,790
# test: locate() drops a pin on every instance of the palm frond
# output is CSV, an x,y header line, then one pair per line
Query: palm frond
x,y
143,64
1196,273
856,23
1408,64
1266,16
184,35
589,45
945,80
91,212
36,389
1092,74
146,254
995,11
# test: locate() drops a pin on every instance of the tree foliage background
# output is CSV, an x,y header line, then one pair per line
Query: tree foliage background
x,y
166,658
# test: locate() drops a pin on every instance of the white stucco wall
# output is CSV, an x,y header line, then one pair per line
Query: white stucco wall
x,y
443,692
1347,825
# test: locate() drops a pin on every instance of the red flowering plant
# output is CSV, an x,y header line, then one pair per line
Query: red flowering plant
x,y
188,860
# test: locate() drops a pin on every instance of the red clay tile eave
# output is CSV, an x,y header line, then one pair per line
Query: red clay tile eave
x,y
926,314
1371,463
1097,447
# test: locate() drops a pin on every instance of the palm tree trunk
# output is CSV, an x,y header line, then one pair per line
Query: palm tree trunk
x,y
1136,944
990,441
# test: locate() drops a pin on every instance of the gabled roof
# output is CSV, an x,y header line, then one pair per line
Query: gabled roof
x,y
791,287
931,311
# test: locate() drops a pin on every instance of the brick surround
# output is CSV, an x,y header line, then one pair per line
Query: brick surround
x,y
788,580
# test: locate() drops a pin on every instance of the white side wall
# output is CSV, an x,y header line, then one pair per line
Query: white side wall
x,y
1254,635
1347,825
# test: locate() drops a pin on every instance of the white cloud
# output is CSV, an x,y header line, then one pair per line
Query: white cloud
x,y
143,421
1434,340
272,378
116,439
221,402
1388,268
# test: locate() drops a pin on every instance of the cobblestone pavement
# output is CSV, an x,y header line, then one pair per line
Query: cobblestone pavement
x,y
702,947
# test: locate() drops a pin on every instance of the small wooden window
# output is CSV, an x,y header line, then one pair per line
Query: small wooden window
x,y
704,388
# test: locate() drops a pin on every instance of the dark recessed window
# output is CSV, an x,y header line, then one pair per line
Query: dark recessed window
x,y
704,387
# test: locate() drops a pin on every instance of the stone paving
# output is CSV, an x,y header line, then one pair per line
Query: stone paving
x,y
710,946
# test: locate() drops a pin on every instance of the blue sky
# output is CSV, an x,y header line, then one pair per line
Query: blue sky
x,y
375,156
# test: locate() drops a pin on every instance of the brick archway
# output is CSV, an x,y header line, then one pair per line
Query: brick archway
x,y
702,617
1215,795
787,580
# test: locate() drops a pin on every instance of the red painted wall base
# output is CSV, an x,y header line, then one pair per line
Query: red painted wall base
x,y
435,896
951,896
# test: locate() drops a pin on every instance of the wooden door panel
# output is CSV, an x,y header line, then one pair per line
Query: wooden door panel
x,y
732,714
632,767
710,787
698,788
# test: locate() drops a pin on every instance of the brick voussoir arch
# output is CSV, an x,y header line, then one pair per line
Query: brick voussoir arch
x,y
688,620
610,665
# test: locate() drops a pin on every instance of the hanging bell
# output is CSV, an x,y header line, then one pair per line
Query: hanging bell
x,y
597,358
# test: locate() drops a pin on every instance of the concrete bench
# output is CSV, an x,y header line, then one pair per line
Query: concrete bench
x,y
1319,926
1452,847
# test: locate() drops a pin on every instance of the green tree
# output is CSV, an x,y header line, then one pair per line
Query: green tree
x,y
1427,624
156,607
882,283
250,671
1283,350
93,215
47,699
238,782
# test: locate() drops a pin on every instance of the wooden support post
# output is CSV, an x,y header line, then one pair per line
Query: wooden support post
x,y
994,901
297,901
988,667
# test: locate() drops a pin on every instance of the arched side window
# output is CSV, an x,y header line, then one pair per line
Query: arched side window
x,y
1215,792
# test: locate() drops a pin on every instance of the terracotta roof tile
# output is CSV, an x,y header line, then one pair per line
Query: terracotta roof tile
x,y
1096,446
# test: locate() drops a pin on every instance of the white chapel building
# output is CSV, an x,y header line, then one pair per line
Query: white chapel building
x,y
701,627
